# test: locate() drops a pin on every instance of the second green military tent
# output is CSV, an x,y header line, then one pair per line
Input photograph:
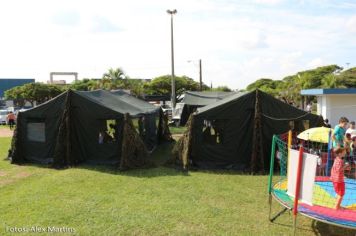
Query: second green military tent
x,y
236,132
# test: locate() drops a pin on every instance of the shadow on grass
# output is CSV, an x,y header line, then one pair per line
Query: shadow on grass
x,y
317,227
159,157
321,228
139,173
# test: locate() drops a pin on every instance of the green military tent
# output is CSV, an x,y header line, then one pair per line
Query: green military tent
x,y
87,126
236,132
193,100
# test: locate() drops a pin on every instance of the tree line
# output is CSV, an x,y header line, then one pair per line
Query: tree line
x,y
111,80
288,89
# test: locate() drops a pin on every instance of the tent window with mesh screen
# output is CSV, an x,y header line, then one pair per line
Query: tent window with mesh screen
x,y
36,132
213,131
108,132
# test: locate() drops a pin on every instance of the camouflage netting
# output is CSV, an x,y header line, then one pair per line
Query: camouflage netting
x,y
62,155
257,157
164,134
183,148
134,153
16,154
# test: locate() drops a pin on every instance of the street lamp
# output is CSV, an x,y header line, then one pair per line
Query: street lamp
x,y
173,98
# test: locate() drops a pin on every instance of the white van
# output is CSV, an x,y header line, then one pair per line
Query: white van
x,y
177,113
3,114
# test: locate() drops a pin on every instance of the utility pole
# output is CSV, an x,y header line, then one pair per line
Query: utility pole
x,y
173,95
200,76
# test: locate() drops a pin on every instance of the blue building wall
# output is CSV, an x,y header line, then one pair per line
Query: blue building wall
x,y
6,84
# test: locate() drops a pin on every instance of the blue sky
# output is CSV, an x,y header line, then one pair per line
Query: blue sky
x,y
238,41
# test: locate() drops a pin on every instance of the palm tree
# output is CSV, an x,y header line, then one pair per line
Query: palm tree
x,y
329,81
114,74
114,79
93,85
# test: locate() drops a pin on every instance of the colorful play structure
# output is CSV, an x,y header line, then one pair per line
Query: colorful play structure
x,y
299,178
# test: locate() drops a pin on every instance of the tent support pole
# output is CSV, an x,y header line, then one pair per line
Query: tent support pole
x,y
68,129
328,162
257,162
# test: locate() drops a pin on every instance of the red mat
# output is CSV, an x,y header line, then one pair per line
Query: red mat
x,y
342,214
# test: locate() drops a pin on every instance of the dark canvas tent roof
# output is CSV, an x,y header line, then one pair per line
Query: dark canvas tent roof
x,y
237,132
204,98
71,123
193,100
120,101
226,100
116,101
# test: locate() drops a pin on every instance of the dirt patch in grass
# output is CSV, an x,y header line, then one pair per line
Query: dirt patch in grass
x,y
4,132
13,178
4,182
21,175
176,136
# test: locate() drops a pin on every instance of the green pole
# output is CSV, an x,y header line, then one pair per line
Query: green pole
x,y
270,176
273,152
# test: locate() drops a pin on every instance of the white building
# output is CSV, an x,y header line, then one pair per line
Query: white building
x,y
334,103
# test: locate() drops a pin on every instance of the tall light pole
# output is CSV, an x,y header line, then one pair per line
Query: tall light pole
x,y
173,98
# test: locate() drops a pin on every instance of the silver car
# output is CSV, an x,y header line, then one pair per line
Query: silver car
x,y
3,114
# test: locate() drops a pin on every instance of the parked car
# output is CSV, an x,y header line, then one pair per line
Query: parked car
x,y
177,113
3,114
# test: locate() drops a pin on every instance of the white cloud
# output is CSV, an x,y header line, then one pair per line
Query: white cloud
x,y
66,18
238,41
269,2
351,24
316,62
254,40
103,24
290,61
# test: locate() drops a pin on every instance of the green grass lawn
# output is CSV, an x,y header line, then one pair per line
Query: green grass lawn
x,y
159,201
174,129
177,130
